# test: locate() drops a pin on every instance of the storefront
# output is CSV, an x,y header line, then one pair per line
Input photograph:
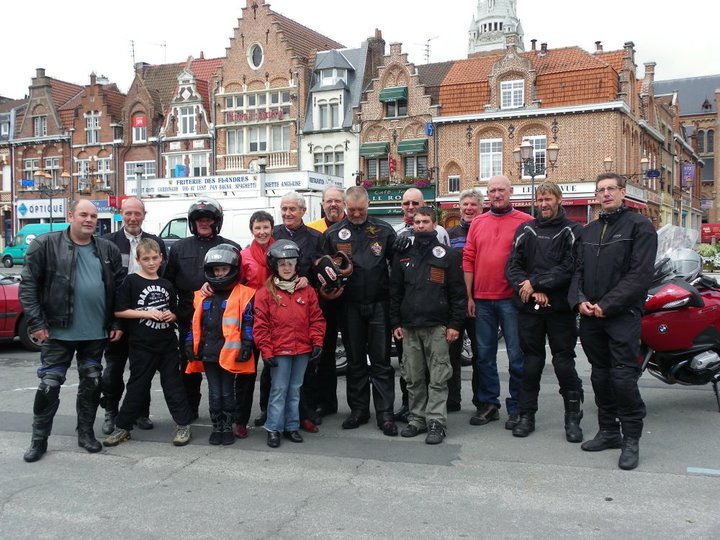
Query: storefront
x,y
385,200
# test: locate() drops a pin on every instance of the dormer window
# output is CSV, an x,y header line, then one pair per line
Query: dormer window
x,y
512,94
331,76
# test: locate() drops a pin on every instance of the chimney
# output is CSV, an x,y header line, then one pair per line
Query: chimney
x,y
202,55
93,79
543,49
40,73
533,43
598,46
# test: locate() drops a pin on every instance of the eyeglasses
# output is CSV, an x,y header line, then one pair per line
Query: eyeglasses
x,y
408,203
609,189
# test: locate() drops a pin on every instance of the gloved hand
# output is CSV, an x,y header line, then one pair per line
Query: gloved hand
x,y
270,362
402,243
188,351
246,350
315,355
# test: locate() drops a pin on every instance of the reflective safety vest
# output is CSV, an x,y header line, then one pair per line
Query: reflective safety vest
x,y
231,323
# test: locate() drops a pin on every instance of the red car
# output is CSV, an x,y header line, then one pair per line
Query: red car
x,y
12,321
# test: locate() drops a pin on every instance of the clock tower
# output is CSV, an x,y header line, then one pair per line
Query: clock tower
x,y
493,20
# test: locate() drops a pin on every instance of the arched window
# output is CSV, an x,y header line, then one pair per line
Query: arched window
x,y
701,141
710,143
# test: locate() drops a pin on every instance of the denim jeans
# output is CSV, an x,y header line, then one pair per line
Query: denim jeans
x,y
221,388
283,412
489,314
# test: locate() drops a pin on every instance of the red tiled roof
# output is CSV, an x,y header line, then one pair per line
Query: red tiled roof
x,y
62,91
10,104
432,76
615,59
566,76
301,39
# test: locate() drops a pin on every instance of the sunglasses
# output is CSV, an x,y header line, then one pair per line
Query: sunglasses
x,y
408,203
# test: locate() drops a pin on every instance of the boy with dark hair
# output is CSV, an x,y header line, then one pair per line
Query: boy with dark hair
x,y
427,311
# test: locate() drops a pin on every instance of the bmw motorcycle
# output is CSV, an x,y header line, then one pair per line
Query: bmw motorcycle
x,y
681,325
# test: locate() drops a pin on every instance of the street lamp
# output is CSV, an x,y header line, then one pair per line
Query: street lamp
x,y
644,164
525,159
139,171
46,186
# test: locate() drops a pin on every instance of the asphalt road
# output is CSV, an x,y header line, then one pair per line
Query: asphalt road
x,y
480,483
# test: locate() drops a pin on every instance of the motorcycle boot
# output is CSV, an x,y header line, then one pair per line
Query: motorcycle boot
x,y
88,400
47,401
630,455
216,433
525,426
573,415
226,426
604,440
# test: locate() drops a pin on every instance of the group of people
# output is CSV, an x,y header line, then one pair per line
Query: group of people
x,y
213,307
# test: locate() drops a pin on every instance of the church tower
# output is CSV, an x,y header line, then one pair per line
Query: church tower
x,y
494,19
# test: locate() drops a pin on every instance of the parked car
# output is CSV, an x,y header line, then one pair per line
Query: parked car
x,y
15,252
12,320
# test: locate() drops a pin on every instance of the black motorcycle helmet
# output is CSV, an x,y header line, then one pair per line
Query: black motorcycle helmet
x,y
205,207
223,254
282,249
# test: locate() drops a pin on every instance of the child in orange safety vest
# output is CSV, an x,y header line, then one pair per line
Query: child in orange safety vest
x,y
220,342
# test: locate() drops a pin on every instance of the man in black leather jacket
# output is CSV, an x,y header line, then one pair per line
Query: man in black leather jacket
x,y
616,254
539,270
67,291
364,317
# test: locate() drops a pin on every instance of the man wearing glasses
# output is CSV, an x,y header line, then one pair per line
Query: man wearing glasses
x,y
615,258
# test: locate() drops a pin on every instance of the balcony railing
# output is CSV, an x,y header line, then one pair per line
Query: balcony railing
x,y
241,162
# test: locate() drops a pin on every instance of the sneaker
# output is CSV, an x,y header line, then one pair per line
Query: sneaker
x,y
116,437
486,413
412,430
436,433
309,426
182,436
512,421
241,431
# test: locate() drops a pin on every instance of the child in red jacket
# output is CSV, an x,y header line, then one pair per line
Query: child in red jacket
x,y
288,330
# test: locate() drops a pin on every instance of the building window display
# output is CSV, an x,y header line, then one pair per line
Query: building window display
x,y
330,161
187,121
92,127
453,184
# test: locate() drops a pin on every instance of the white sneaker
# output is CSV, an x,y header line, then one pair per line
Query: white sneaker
x,y
182,436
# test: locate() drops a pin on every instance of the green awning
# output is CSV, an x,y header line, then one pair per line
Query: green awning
x,y
412,146
374,149
393,94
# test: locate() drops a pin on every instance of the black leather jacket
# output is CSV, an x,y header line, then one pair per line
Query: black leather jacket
x,y
543,252
369,246
48,279
615,260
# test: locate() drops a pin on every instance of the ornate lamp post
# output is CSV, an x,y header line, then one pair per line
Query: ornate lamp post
x,y
47,187
525,160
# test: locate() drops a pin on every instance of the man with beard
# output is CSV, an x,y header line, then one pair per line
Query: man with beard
x,y
539,270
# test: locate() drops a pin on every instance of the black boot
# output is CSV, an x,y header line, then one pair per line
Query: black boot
x,y
216,434
88,400
226,422
525,426
37,449
604,440
630,455
573,415
46,405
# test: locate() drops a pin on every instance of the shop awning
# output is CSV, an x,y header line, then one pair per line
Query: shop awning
x,y
393,94
634,204
412,146
374,149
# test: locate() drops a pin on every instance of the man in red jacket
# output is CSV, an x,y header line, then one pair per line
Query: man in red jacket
x,y
487,249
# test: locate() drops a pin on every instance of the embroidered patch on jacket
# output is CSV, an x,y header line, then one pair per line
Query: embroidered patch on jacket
x,y
344,234
439,252
345,247
376,248
437,275
371,229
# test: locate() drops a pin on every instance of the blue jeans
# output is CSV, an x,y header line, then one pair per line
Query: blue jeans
x,y
221,388
489,314
283,413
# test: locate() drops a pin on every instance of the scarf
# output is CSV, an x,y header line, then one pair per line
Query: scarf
x,y
501,211
287,286
258,252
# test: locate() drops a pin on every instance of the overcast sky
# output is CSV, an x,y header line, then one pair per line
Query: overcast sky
x,y
72,39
